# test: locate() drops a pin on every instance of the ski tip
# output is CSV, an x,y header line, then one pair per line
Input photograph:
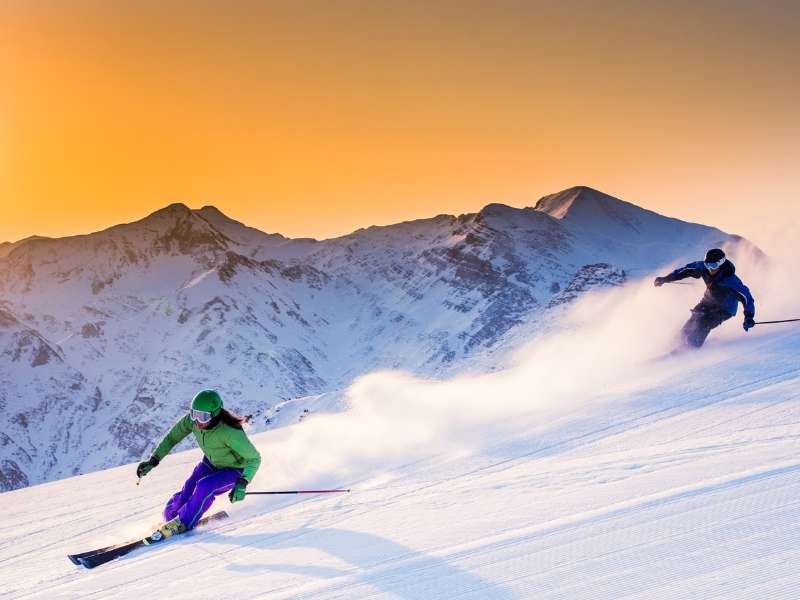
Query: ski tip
x,y
88,565
74,560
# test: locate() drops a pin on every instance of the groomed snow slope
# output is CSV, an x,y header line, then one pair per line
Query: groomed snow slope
x,y
685,488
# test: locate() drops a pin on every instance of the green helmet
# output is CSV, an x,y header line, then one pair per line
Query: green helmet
x,y
207,401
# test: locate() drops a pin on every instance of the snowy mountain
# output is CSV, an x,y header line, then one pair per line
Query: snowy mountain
x,y
105,337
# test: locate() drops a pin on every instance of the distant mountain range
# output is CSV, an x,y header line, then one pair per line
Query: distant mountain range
x,y
105,337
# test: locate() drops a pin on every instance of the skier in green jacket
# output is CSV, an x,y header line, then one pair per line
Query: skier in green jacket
x,y
229,464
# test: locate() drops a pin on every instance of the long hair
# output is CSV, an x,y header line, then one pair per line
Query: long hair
x,y
232,419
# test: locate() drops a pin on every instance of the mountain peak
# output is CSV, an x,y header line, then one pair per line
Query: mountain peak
x,y
604,215
175,227
587,207
216,217
580,198
176,209
211,210
497,209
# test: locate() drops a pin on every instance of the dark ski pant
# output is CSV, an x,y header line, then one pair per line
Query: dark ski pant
x,y
705,317
204,484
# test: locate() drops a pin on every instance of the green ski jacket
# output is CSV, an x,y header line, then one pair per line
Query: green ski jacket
x,y
223,445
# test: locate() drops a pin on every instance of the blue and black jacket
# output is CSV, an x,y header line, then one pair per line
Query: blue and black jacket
x,y
723,289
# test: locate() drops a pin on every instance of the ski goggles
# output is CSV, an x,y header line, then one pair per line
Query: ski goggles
x,y
716,264
201,416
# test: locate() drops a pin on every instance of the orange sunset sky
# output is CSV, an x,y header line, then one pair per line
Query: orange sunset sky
x,y
316,118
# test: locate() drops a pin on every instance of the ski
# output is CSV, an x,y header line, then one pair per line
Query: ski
x,y
75,558
95,560
100,556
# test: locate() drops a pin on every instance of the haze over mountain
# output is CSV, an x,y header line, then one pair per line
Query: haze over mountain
x,y
105,337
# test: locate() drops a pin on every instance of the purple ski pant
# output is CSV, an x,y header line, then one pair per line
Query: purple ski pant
x,y
204,484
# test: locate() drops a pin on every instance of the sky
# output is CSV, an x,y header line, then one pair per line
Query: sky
x,y
313,119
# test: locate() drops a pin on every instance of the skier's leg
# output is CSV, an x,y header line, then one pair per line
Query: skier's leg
x,y
703,320
210,486
180,498
694,331
700,332
716,318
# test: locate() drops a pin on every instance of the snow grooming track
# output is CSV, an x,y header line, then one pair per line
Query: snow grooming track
x,y
584,528
685,490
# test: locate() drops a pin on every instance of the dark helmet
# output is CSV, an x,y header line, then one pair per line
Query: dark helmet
x,y
715,258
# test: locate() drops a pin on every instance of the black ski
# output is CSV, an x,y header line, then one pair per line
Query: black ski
x,y
95,558
75,558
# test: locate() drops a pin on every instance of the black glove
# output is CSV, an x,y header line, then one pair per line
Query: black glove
x,y
749,321
145,467
237,493
660,281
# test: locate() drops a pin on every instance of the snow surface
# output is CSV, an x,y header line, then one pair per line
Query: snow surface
x,y
611,475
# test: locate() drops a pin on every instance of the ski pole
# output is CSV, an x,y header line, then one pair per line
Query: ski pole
x,y
298,492
783,321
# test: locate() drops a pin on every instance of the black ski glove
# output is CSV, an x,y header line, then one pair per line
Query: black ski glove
x,y
749,321
146,466
660,281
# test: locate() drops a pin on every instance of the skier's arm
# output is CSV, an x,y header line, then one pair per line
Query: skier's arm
x,y
744,296
694,269
179,431
241,445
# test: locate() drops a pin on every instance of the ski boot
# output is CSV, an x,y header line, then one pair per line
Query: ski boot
x,y
168,529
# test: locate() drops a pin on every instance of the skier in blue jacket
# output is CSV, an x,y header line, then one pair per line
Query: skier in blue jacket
x,y
724,291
